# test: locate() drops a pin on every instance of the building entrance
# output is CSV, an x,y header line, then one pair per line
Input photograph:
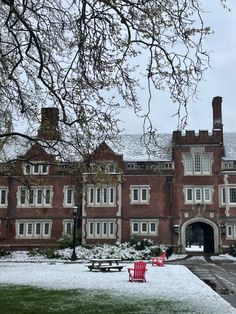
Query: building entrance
x,y
200,235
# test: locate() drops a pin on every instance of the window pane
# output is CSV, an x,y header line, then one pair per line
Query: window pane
x,y
22,196
31,197
29,228
189,194
153,227
223,195
39,196
27,169
144,227
198,195
69,196
44,168
111,195
206,163
98,195
232,195
207,194
21,228
229,231
105,195
144,194
3,197
46,228
111,228
38,228
68,228
135,194
98,228
197,163
47,196
135,227
91,195
188,164
91,228
36,168
104,228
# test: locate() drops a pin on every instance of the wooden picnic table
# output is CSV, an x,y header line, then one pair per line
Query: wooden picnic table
x,y
104,264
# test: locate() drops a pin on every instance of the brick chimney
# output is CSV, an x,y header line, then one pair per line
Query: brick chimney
x,y
49,129
217,115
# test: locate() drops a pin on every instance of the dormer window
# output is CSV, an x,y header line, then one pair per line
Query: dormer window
x,y
36,169
104,167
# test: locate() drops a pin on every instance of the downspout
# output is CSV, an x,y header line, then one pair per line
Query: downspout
x,y
226,186
170,203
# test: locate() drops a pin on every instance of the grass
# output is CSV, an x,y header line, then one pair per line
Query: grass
x,y
30,300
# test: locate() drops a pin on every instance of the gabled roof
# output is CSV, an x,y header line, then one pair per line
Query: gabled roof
x,y
130,146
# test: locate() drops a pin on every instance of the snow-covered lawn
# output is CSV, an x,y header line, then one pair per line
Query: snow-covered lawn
x,y
172,282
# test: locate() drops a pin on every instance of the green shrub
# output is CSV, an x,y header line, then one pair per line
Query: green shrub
x,y
4,252
34,252
133,241
67,240
50,253
140,245
155,251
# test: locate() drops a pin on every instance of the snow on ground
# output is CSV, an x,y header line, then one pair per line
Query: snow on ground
x,y
172,282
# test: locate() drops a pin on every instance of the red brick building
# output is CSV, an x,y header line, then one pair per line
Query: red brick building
x,y
183,193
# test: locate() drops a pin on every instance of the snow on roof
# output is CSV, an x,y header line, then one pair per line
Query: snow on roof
x,y
131,146
230,146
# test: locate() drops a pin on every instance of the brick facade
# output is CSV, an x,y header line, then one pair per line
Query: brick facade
x,y
163,200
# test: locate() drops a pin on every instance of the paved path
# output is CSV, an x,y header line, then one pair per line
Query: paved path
x,y
219,274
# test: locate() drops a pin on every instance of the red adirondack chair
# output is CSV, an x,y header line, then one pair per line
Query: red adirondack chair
x,y
138,272
159,261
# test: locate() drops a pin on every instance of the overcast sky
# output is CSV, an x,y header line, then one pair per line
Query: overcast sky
x,y
218,81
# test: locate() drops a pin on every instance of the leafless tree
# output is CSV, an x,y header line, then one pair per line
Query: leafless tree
x,y
82,56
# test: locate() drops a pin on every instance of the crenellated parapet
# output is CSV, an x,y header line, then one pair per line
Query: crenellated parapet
x,y
197,138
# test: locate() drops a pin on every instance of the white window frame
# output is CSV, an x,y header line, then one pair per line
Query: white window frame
x,y
188,164
139,189
29,168
197,163
103,196
31,197
230,235
134,229
140,223
24,226
150,228
206,199
195,190
144,230
104,167
95,229
4,190
67,222
222,196
198,195
66,190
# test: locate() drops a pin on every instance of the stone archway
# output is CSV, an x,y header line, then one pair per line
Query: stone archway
x,y
207,234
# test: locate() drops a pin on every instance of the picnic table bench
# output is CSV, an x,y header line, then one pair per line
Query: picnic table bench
x,y
104,264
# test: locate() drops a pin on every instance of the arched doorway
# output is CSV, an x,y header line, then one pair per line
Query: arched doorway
x,y
200,234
